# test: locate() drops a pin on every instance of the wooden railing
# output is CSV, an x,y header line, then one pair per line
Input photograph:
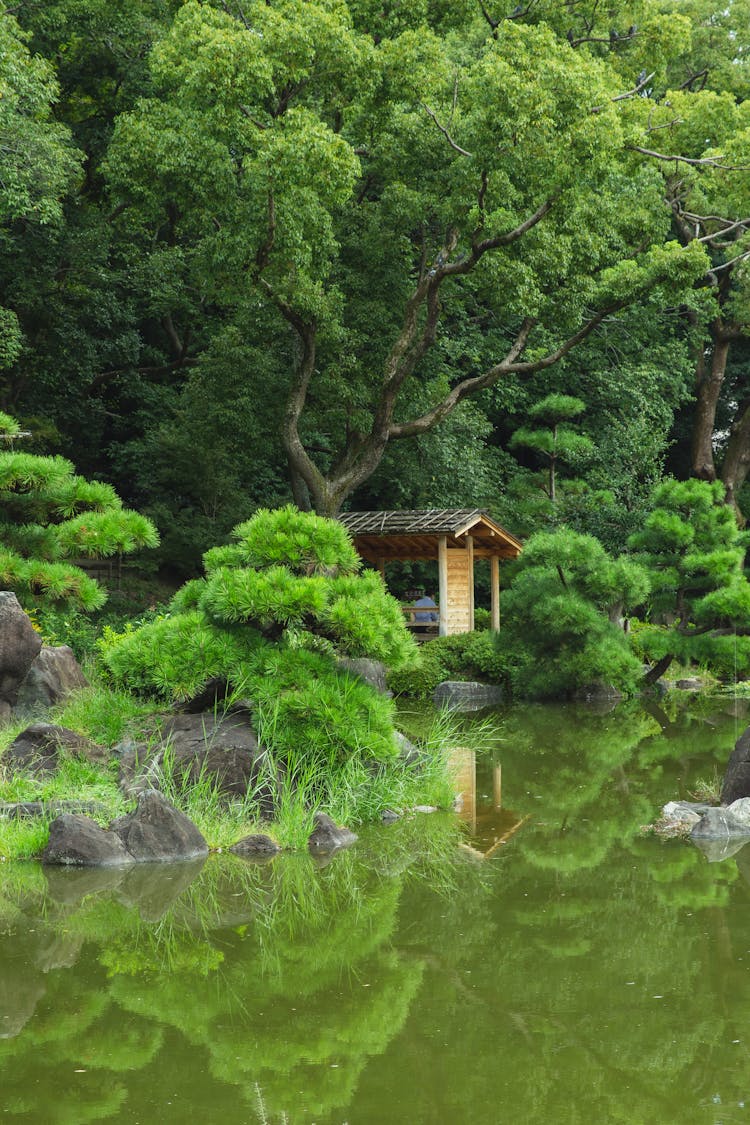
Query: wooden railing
x,y
421,628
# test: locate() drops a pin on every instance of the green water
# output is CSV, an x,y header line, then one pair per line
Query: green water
x,y
583,972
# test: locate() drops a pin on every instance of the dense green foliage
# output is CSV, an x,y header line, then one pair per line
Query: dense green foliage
x,y
375,255
274,615
694,553
467,656
561,617
48,515
239,242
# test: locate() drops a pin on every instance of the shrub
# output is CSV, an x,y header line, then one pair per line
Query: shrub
x,y
48,514
464,656
272,617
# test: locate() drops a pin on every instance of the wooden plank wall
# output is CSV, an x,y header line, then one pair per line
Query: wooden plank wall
x,y
459,592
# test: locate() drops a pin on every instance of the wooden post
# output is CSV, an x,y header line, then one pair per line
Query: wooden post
x,y
443,584
495,593
381,568
470,564
497,786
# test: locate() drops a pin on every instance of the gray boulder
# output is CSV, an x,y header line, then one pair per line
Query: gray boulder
x,y
736,782
684,815
373,672
219,748
407,751
78,841
720,823
52,677
598,693
257,844
157,832
460,695
27,810
19,646
37,749
327,836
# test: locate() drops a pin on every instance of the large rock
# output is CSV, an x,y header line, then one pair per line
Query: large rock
x,y
683,816
52,677
373,672
78,841
598,693
220,749
19,647
460,695
720,823
37,749
736,782
327,836
157,832
407,751
255,845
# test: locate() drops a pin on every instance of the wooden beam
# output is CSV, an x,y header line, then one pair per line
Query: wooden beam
x,y
495,594
443,584
470,553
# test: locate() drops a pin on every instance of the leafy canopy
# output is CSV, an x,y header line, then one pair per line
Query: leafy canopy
x,y
694,553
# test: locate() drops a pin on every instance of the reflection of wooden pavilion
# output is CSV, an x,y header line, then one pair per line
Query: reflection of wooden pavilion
x,y
453,537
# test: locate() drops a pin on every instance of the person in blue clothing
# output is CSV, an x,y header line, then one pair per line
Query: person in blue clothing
x,y
425,619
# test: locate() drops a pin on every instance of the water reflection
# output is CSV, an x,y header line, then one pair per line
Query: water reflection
x,y
583,968
282,977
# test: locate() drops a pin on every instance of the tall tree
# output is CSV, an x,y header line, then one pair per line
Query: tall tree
x,y
368,190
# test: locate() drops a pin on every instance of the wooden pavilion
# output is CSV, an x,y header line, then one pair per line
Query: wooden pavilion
x,y
453,537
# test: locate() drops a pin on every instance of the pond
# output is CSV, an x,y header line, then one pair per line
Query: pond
x,y
538,959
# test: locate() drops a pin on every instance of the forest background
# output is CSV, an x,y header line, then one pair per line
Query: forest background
x,y
378,255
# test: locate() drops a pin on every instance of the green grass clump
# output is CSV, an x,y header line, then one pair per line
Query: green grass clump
x,y
104,714
23,839
75,780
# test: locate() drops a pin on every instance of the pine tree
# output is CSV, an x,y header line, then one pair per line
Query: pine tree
x,y
49,516
694,553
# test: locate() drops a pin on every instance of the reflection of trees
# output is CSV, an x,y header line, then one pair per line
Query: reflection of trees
x,y
282,977
267,1020
608,977
585,971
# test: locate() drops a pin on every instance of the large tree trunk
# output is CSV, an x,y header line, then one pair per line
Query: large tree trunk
x,y
709,379
737,459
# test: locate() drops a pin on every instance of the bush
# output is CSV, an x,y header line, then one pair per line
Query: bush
x,y
464,656
272,617
559,632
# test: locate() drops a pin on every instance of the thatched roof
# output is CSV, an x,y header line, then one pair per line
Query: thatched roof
x,y
415,534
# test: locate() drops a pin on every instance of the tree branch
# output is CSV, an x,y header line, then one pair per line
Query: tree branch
x,y
444,131
629,93
705,161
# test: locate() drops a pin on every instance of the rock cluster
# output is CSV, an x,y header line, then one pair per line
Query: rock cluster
x,y
33,677
156,832
719,830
